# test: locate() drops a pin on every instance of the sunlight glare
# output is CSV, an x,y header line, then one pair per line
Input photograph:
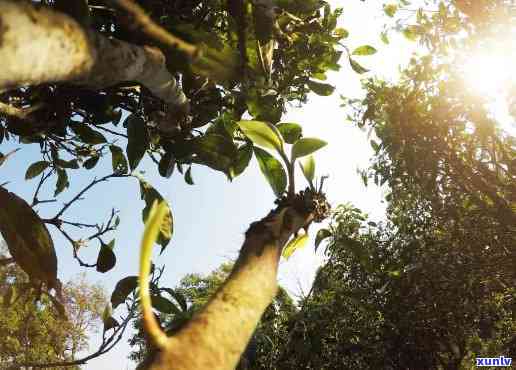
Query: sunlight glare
x,y
490,74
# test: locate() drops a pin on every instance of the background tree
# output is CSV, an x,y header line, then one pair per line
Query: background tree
x,y
33,331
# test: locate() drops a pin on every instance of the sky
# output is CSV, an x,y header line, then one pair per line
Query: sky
x,y
210,217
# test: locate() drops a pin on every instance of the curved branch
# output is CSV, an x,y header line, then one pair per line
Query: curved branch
x,y
209,340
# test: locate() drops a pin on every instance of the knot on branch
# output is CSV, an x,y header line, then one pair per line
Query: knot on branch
x,y
308,201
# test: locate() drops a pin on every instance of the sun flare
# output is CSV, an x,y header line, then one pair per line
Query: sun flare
x,y
490,74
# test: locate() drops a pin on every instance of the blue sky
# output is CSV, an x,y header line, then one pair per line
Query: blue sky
x,y
211,216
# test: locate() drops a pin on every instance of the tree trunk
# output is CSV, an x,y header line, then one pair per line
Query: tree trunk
x,y
39,45
216,337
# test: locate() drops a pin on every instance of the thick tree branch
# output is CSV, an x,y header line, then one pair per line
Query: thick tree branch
x,y
39,45
216,337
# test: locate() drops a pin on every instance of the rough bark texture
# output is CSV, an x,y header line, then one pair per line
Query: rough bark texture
x,y
216,337
39,45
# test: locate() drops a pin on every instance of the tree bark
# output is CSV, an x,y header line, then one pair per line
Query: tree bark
x,y
217,336
39,45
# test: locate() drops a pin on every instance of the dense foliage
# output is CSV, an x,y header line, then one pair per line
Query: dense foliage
x,y
33,332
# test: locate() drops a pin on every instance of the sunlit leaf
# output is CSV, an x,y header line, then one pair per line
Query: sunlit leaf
x,y
341,33
384,37
411,33
273,171
306,146
295,244
262,133
364,50
308,169
357,67
321,88
291,132
390,9
150,195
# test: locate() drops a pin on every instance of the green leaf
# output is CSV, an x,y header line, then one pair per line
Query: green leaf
x,y
308,169
164,305
321,88
291,132
110,323
108,311
262,133
72,164
35,169
150,195
166,165
384,38
106,259
188,176
306,146
215,151
390,9
137,140
118,159
341,33
87,134
375,146
62,182
357,67
122,290
321,235
27,239
411,33
91,162
364,50
295,244
273,171
244,155
180,298
320,76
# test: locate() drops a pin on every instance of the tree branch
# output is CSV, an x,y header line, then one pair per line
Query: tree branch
x,y
57,49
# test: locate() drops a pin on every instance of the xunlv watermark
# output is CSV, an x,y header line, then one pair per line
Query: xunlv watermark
x,y
494,361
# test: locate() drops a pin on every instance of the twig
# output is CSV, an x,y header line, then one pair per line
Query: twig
x,y
35,200
155,31
88,187
111,131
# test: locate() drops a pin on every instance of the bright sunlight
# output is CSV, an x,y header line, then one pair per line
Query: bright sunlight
x,y
491,72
